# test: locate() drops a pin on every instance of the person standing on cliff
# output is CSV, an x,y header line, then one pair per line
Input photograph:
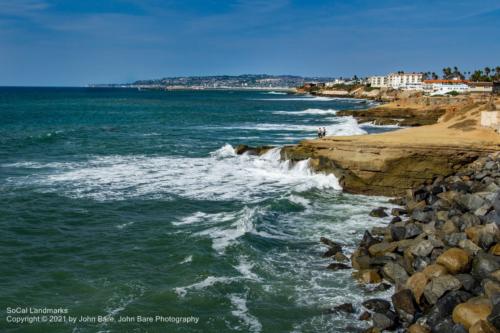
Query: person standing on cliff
x,y
324,132
320,132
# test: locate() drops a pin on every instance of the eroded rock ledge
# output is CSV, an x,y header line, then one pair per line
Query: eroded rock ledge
x,y
392,163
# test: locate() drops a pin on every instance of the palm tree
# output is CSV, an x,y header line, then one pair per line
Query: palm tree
x,y
487,71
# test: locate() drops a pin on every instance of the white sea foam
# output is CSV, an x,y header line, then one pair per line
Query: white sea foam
x,y
222,176
187,260
207,282
240,310
305,98
222,236
245,269
340,126
308,112
276,93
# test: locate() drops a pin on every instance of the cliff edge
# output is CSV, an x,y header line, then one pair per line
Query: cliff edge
x,y
392,163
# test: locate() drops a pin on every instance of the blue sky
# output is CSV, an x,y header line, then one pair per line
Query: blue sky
x,y
76,42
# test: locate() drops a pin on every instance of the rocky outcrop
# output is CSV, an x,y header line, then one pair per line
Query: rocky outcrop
x,y
244,149
444,259
392,163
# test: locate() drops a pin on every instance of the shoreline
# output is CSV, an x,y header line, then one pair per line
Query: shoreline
x,y
441,251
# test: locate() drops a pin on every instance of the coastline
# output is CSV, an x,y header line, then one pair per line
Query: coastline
x,y
441,250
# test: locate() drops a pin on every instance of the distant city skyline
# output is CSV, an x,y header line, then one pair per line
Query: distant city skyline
x,y
75,43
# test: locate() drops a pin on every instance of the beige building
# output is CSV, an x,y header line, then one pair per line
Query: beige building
x,y
402,80
378,81
410,81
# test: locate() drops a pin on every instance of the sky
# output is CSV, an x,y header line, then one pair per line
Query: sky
x,y
77,42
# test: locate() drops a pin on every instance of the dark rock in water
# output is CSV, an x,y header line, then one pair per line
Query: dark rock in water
x,y
396,219
397,201
467,281
346,308
484,264
365,316
384,321
378,212
382,287
377,305
328,242
398,233
404,305
398,211
244,149
368,240
338,266
445,305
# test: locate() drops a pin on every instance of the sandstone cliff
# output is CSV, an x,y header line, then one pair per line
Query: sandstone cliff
x,y
391,163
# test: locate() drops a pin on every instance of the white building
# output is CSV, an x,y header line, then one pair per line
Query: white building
x,y
407,81
442,87
378,81
403,80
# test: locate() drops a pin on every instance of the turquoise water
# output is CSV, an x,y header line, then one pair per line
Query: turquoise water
x,y
132,203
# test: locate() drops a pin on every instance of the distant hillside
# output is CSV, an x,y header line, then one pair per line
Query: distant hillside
x,y
224,81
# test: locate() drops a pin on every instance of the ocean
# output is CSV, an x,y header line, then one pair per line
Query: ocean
x,y
128,205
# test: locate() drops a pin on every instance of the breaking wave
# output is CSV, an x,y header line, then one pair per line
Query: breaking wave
x,y
308,112
221,176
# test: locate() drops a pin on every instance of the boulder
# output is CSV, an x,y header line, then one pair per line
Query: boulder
x,y
365,316
448,326
455,260
398,211
360,261
384,321
368,240
467,281
422,248
467,314
445,305
346,308
404,305
495,250
434,270
382,248
469,202
395,273
398,233
449,227
379,212
484,264
469,246
416,283
377,305
338,266
482,326
416,328
340,257
494,316
412,230
369,276
491,288
454,238
439,285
